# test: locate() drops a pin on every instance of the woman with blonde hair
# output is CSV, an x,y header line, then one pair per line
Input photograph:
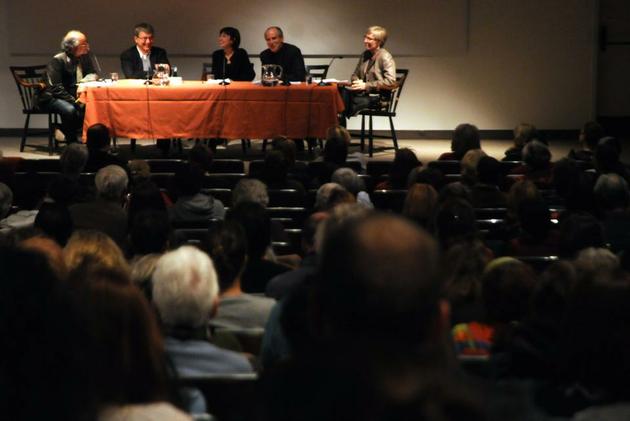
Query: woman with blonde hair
x,y
90,247
375,73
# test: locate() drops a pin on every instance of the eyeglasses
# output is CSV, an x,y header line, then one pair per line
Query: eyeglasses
x,y
145,38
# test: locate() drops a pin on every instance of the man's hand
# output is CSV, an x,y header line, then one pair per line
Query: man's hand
x,y
358,85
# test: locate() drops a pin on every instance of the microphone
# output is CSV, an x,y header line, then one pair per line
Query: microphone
x,y
321,82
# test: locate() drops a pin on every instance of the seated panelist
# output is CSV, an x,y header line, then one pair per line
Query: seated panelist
x,y
138,61
375,73
231,61
284,54
73,64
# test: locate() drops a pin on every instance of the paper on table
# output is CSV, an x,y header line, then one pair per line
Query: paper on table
x,y
333,80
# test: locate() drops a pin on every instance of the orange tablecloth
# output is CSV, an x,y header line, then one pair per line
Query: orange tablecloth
x,y
196,109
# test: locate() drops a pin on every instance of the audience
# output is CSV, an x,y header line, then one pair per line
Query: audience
x,y
99,155
371,313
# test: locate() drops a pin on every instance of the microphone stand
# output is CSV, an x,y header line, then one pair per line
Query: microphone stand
x,y
321,82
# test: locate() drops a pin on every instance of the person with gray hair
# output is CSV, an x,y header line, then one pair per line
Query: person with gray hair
x,y
186,296
612,197
66,69
6,199
350,180
20,219
250,190
105,213
324,193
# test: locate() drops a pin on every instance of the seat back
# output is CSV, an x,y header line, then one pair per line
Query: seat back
x,y
206,68
29,80
317,71
401,77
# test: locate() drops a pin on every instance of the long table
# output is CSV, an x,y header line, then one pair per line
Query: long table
x,y
197,109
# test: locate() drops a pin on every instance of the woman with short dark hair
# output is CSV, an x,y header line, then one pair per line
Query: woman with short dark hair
x,y
231,61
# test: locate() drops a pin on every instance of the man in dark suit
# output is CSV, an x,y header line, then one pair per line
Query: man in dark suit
x,y
138,61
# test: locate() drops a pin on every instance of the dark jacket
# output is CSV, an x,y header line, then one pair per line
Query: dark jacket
x,y
131,63
240,67
62,77
290,58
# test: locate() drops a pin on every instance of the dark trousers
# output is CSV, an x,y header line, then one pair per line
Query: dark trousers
x,y
71,117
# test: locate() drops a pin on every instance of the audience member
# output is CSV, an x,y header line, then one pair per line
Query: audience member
x,y
404,161
523,133
465,138
105,213
55,221
99,156
607,158
93,248
350,180
150,232
237,310
420,204
257,226
613,199
589,137
193,205
185,294
250,190
485,192
21,219
468,164
129,370
506,287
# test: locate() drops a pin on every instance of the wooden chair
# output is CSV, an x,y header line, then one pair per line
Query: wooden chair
x,y
317,71
30,80
389,111
206,69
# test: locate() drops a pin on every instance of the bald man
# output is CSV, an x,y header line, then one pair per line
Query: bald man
x,y
286,55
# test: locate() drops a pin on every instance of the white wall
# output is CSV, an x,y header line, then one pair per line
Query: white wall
x,y
526,61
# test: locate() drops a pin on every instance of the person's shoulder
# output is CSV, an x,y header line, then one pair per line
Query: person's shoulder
x,y
385,55
216,54
58,59
265,52
241,52
158,51
128,52
292,47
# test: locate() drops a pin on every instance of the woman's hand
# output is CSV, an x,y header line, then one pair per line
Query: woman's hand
x,y
358,85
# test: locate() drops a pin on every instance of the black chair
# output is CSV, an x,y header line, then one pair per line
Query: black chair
x,y
230,397
388,110
317,71
290,217
222,181
378,168
389,200
165,165
222,166
538,263
224,195
286,198
30,80
446,166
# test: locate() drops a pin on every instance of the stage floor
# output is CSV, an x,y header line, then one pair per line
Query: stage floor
x,y
426,149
